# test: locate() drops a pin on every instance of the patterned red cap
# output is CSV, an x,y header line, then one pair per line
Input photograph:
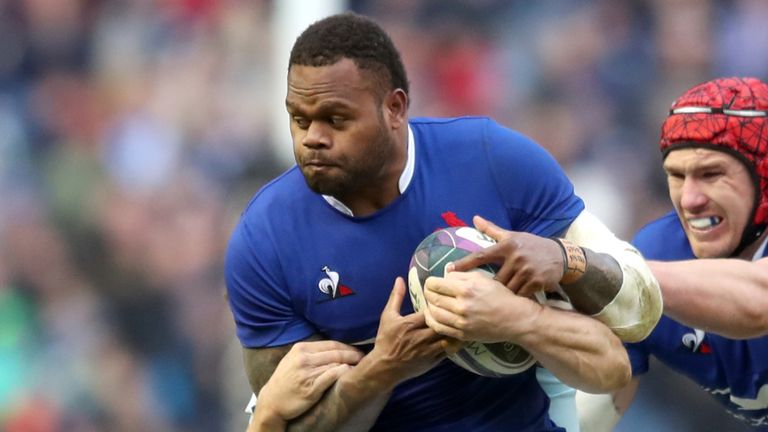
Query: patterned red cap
x,y
729,114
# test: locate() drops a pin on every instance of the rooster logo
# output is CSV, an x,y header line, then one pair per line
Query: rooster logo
x,y
331,287
695,342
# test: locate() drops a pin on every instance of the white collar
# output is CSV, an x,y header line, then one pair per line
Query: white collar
x,y
759,252
402,184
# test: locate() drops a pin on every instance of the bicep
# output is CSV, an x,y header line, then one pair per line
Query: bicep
x,y
259,295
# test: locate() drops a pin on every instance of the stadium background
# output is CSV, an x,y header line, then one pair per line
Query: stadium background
x,y
132,133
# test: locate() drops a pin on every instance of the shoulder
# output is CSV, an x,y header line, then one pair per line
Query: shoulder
x,y
451,122
460,128
663,239
278,195
271,209
463,138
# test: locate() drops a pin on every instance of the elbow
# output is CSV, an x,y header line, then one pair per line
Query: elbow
x,y
622,378
613,377
635,333
642,328
635,311
621,373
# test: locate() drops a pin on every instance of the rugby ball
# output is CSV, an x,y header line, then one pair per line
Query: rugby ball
x,y
433,253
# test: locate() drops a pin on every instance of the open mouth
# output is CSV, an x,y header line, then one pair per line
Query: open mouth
x,y
705,223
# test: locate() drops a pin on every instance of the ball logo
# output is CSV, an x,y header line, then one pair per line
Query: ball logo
x,y
429,259
475,236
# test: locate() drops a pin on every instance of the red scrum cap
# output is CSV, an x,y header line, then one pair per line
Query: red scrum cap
x,y
726,114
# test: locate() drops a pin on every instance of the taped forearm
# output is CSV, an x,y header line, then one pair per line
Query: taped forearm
x,y
596,412
634,311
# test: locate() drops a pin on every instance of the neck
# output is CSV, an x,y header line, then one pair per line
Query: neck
x,y
367,202
748,252
368,199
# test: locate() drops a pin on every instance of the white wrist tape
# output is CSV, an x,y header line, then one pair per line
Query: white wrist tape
x,y
637,307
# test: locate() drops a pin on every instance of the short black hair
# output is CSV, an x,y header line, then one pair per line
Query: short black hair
x,y
352,36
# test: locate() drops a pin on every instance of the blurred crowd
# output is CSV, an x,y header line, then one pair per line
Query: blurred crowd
x,y
132,134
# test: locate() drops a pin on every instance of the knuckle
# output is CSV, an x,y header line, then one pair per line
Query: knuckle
x,y
461,308
461,324
480,255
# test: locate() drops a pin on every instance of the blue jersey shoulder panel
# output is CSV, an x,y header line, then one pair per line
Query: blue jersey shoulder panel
x,y
735,372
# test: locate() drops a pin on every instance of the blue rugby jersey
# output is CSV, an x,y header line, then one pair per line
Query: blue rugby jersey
x,y
735,372
297,266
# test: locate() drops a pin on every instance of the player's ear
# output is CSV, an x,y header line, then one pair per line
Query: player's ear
x,y
396,108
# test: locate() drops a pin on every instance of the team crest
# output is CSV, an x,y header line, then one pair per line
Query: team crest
x,y
331,287
695,342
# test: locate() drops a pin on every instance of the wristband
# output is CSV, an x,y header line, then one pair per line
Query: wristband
x,y
574,261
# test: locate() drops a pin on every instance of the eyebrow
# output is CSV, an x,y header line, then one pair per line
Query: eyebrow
x,y
324,106
708,165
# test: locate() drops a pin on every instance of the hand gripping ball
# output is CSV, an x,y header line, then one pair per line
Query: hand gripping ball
x,y
433,253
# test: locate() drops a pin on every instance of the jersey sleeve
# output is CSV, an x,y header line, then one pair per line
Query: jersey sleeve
x,y
258,297
537,193
638,357
645,242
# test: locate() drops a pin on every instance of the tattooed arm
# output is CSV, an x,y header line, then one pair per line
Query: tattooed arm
x,y
613,284
405,347
299,380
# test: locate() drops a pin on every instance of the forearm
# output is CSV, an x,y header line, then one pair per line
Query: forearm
x,y
580,351
618,287
266,421
353,402
598,286
724,296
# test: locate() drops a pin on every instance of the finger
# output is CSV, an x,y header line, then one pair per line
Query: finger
x,y
328,377
449,268
443,286
442,301
335,356
445,330
489,228
444,322
517,282
505,273
493,254
525,283
432,344
416,319
323,345
428,318
396,297
471,261
426,336
451,346
530,289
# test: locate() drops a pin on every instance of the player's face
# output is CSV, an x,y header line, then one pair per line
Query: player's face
x,y
341,140
713,194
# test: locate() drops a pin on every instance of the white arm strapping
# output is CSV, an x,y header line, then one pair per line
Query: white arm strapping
x,y
637,307
597,412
